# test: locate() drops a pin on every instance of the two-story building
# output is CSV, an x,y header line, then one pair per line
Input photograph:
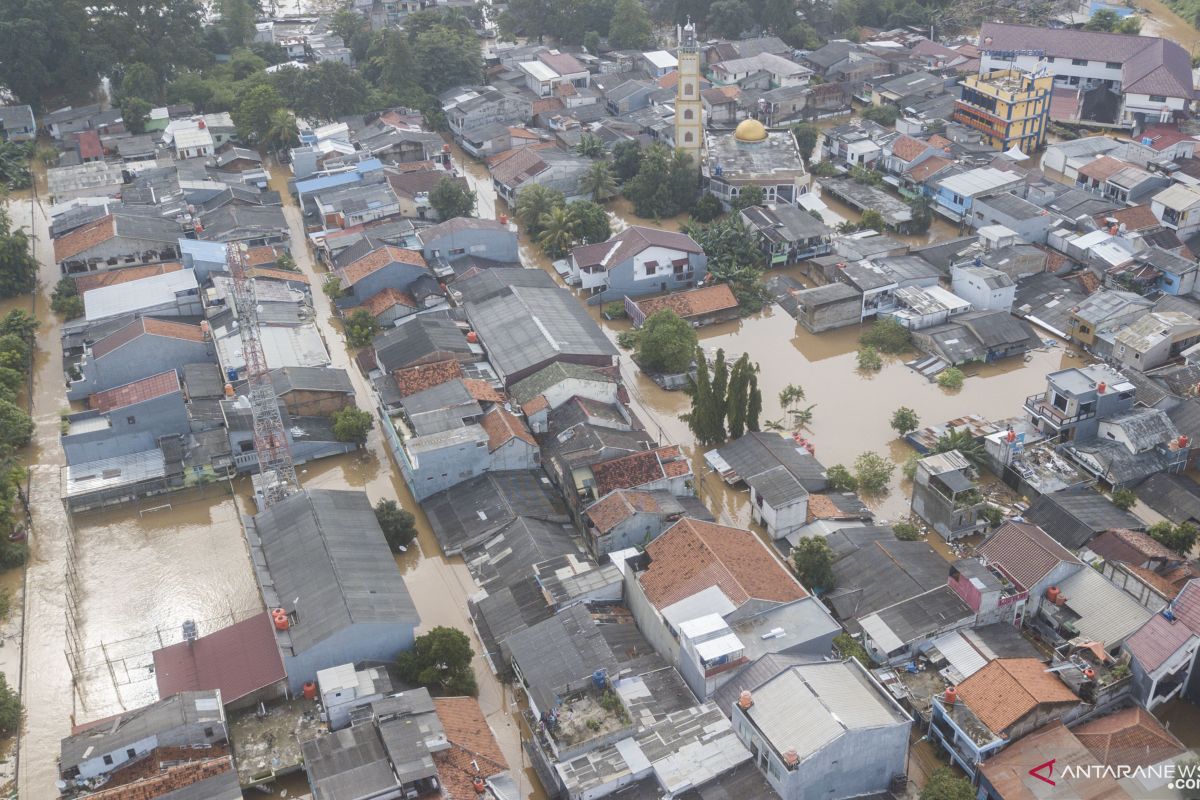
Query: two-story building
x,y
788,233
1076,399
126,419
954,195
639,261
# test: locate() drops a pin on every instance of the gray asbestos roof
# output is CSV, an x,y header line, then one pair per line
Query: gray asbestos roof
x,y
1073,516
760,451
311,379
882,573
559,656
129,727
351,762
407,344
525,390
326,559
474,510
917,617
1176,497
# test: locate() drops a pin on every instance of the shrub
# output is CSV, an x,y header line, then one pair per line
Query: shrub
x,y
869,359
906,531
887,336
615,310
872,472
399,526
905,421
951,378
840,479
1124,499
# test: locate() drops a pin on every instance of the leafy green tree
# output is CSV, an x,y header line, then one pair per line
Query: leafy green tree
x,y
666,343
737,401
720,388
778,16
906,531
20,323
352,425
441,660
10,709
18,267
161,34
591,42
872,219
237,18
944,784
812,558
733,258
256,108
803,36
16,427
966,443
590,146
46,58
750,196
361,328
244,63
346,23
684,180
446,57
598,182
1130,26
905,421
282,130
558,233
451,198
881,115
849,647
11,383
630,28
589,221
869,359
754,403
1124,499
650,189
841,479
806,135
1180,538
627,159
139,80
1103,20
332,287
729,18
872,472
887,336
534,203
702,418
65,300
707,208
399,526
134,111
951,378
14,165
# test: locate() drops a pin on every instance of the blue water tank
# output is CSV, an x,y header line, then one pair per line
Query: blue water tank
x,y
599,679
231,374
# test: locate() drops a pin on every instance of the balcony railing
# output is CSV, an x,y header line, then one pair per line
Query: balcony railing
x,y
1036,403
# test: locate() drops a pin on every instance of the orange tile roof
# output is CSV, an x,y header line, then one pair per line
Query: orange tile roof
x,y
940,142
1007,689
84,238
376,260
115,277
170,779
173,330
618,506
260,256
927,168
483,391
546,105
693,302
1135,218
425,376
821,507
535,405
473,752
381,301
907,148
1008,771
1131,736
1101,168
137,392
693,555
502,427
638,469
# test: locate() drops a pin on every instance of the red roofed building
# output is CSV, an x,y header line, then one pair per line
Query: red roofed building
x,y
146,345
1030,557
663,468
639,261
474,752
1163,651
703,305
242,660
88,145
386,267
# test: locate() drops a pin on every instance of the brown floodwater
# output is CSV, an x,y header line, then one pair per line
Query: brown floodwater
x,y
1160,20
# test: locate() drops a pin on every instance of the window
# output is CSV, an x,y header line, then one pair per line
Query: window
x,y
1049,59
687,137
208,733
1112,65
131,753
688,113
1079,62
1158,98
108,761
131,420
689,89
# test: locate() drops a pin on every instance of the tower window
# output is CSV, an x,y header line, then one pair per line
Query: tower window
x,y
688,114
687,137
689,89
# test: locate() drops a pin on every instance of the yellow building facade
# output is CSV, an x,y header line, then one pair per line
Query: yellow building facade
x,y
1011,108
689,109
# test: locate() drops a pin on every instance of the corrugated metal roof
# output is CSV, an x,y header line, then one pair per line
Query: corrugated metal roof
x,y
1106,614
959,652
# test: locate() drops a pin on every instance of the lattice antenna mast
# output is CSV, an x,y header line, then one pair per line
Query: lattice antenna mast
x,y
278,473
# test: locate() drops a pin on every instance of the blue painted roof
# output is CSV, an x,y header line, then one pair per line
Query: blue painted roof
x,y
192,250
339,179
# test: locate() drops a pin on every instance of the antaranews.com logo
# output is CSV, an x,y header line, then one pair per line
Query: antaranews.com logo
x,y
1184,776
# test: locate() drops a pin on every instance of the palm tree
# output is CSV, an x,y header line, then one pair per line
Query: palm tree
x,y
965,443
533,204
558,234
599,182
590,146
282,130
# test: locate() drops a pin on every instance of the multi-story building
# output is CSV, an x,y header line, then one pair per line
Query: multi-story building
x,y
1076,399
1010,107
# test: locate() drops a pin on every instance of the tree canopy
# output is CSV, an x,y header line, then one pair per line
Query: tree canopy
x,y
18,267
812,559
352,425
399,526
451,198
666,343
440,660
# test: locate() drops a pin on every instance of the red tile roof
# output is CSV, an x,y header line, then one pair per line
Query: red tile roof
x,y
1163,136
238,659
262,256
425,376
1004,691
1159,639
115,277
637,469
1008,770
89,145
473,752
906,148
137,392
928,168
271,273
692,556
618,506
381,301
376,260
1065,104
147,325
693,302
84,238
1131,736
535,405
171,778
1135,218
502,427
483,391
1025,552
1100,169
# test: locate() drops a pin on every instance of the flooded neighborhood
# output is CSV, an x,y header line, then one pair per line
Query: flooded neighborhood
x,y
512,402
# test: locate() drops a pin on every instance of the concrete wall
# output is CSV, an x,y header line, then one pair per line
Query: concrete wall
x,y
146,355
817,319
634,278
433,470
396,275
636,531
121,251
498,245
649,621
301,403
515,454
1031,230
361,642
778,521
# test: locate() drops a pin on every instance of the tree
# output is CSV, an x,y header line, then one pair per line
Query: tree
x,y
589,221
702,419
440,659
15,351
18,267
346,23
237,18
399,526
447,57
754,404
737,401
630,28
361,328
134,111
750,196
282,130
951,378
733,258
161,34
887,336
598,182
729,18
10,709
812,558
790,398
558,232
14,165
840,479
627,158
720,388
533,204
1103,20
905,421
650,190
352,425
872,472
139,80
1124,499
16,427
778,16
19,323
1180,538
451,198
684,178
944,784
965,442
65,301
1131,25
45,58
256,107
881,115
872,219
806,139
869,359
591,42
849,647
707,208
11,383
590,146
906,531
666,344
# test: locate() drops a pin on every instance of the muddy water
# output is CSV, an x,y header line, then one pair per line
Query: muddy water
x,y
1161,20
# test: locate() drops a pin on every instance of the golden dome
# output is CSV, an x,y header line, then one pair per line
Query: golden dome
x,y
750,130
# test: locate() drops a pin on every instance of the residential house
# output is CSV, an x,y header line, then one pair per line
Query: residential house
x,y
192,722
857,143
1031,222
412,189
1155,339
823,308
422,340
904,90
1178,208
896,633
1074,516
356,203
1067,157
468,108
659,62
551,387
945,495
1176,497
16,124
792,103
552,69
117,240
788,233
554,169
861,722
144,346
704,305
721,104
626,518
1089,608
977,336
303,547
1163,651
983,287
953,196
878,279
905,152
1028,557
1176,274
463,237
874,570
1139,565
383,268
781,71
126,419
639,261
313,391
1076,399
343,690
1006,699
1105,312
1130,447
